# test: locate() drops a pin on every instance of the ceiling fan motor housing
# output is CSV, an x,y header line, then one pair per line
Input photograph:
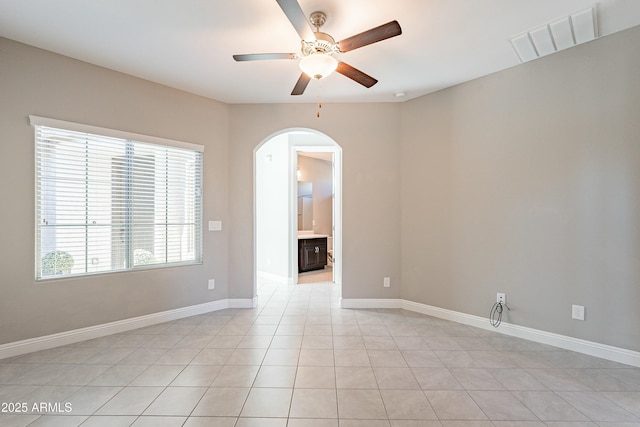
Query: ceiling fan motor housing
x,y
323,43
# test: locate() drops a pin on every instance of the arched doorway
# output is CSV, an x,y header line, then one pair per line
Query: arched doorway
x,y
276,204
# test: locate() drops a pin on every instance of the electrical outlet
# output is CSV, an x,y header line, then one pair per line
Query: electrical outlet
x,y
577,312
212,283
501,298
386,282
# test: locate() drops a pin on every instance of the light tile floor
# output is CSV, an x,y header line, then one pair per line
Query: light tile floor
x,y
324,275
298,360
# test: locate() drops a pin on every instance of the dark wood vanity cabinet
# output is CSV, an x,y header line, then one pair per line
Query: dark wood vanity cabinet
x,y
312,254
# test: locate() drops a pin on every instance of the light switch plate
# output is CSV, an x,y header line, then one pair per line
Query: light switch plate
x,y
215,225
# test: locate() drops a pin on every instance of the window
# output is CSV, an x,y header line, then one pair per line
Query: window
x,y
111,201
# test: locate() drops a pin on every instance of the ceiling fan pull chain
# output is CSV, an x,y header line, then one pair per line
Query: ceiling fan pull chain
x,y
319,98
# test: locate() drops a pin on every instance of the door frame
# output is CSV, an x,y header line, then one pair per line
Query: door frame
x,y
314,141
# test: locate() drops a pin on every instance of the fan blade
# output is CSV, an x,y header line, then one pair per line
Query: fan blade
x,y
298,19
383,32
262,56
301,84
356,75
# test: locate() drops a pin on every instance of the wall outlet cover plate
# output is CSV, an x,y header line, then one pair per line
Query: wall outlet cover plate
x,y
577,312
501,298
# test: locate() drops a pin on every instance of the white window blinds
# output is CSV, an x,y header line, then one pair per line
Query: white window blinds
x,y
108,203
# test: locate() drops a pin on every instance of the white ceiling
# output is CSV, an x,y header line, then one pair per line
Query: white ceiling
x,y
188,44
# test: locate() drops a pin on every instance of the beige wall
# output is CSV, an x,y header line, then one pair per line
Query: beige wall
x,y
528,182
524,182
37,82
368,135
45,84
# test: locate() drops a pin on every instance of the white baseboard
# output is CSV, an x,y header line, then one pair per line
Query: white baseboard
x,y
615,354
69,337
243,303
285,280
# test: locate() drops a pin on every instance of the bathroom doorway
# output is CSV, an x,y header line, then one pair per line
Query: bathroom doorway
x,y
276,165
315,207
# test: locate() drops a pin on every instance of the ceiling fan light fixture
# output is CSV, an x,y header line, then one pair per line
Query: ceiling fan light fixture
x,y
318,65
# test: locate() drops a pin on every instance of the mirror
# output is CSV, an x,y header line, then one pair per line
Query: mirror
x,y
305,205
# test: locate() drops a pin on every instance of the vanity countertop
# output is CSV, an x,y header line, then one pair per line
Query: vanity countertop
x,y
311,236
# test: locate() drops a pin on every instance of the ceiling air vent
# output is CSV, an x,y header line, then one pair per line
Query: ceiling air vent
x,y
561,34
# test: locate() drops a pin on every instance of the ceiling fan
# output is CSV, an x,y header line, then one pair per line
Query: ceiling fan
x,y
316,55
